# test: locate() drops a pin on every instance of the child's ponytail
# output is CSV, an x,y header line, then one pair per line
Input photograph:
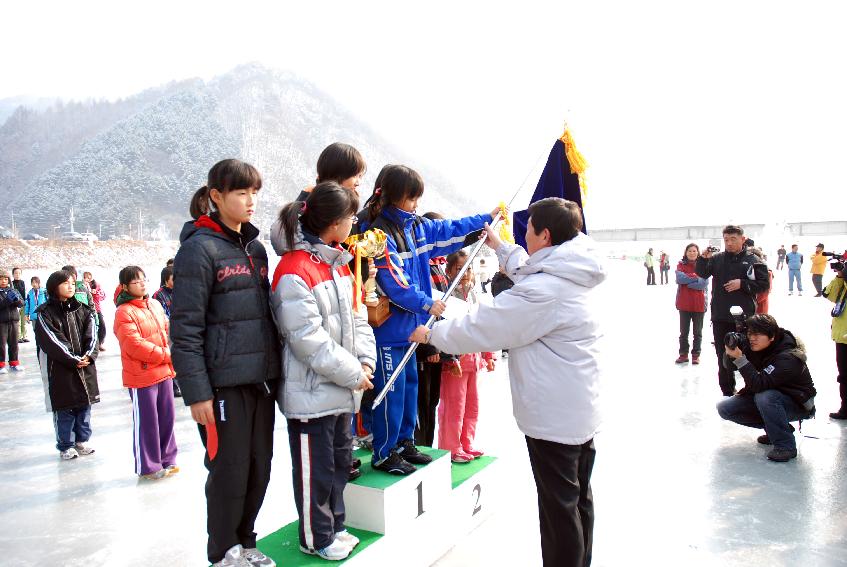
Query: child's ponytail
x,y
200,203
288,219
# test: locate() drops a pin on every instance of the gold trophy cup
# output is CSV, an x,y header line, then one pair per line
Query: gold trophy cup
x,y
370,244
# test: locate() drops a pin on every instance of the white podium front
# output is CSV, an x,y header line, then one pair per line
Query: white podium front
x,y
417,517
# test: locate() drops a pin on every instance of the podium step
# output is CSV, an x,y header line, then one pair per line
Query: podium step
x,y
420,517
283,546
381,502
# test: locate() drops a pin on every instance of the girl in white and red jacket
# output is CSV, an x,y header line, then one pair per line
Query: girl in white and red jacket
x,y
329,354
458,411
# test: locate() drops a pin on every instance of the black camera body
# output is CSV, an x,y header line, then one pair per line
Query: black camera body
x,y
713,249
838,260
737,338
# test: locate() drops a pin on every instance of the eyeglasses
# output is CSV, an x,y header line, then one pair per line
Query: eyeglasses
x,y
139,282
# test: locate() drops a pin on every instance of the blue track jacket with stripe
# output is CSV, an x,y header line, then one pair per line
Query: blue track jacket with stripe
x,y
412,240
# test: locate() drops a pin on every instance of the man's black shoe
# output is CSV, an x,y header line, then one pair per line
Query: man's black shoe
x,y
782,455
410,453
356,464
394,464
354,474
840,414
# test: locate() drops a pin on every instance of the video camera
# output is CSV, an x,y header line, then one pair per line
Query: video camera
x,y
737,338
838,260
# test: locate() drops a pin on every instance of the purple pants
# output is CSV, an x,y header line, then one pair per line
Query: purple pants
x,y
153,442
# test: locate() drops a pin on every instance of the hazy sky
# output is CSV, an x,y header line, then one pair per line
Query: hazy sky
x,y
688,112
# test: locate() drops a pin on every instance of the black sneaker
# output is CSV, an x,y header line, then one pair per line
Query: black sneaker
x,y
354,474
410,453
782,455
394,464
357,463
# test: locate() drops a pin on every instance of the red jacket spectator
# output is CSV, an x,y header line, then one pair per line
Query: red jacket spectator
x,y
691,289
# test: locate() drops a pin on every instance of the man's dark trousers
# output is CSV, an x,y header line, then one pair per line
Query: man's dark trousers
x,y
726,377
239,465
565,504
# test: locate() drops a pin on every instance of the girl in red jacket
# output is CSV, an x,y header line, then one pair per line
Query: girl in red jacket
x,y
691,303
142,331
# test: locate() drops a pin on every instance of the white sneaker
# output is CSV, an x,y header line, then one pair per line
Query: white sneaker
x,y
347,539
69,454
83,450
159,475
256,558
4,370
18,368
233,558
336,551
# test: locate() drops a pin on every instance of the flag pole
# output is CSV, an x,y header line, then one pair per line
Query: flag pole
x,y
413,347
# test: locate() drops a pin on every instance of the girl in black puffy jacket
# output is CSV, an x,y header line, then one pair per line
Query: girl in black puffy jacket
x,y
226,354
66,334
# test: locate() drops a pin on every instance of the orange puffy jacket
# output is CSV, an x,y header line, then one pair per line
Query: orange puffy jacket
x,y
142,331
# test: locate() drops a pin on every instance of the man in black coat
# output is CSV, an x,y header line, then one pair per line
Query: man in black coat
x,y
738,276
778,387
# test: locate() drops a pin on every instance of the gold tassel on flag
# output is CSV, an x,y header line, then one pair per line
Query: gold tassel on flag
x,y
506,228
577,162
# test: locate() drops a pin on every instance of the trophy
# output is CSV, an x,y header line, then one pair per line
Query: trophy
x,y
370,244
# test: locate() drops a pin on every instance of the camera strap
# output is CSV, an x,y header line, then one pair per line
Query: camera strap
x,y
838,310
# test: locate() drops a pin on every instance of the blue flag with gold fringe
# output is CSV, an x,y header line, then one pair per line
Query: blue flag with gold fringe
x,y
562,177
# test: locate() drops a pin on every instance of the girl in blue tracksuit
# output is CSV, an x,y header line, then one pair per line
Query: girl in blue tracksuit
x,y
403,276
34,299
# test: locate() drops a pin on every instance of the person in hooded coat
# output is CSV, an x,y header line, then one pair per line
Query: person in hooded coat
x,y
549,321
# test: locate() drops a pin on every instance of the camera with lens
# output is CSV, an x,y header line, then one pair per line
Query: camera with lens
x,y
838,260
737,338
713,249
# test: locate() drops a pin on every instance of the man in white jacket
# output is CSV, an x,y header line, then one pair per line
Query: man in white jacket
x,y
549,323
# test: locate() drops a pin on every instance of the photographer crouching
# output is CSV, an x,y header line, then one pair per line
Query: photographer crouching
x,y
777,388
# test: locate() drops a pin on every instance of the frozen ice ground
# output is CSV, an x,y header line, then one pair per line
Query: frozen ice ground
x,y
673,484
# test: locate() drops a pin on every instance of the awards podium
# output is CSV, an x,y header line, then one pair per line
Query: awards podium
x,y
418,517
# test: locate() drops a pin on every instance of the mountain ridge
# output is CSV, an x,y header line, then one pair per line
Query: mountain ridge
x,y
148,153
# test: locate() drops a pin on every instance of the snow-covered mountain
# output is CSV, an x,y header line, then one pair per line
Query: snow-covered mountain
x,y
148,153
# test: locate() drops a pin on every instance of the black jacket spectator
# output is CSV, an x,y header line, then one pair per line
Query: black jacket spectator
x,y
10,304
67,332
20,286
723,267
221,326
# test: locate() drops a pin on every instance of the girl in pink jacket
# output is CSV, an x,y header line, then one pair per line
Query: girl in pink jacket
x,y
458,411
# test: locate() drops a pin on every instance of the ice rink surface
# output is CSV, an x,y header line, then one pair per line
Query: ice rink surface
x,y
673,484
